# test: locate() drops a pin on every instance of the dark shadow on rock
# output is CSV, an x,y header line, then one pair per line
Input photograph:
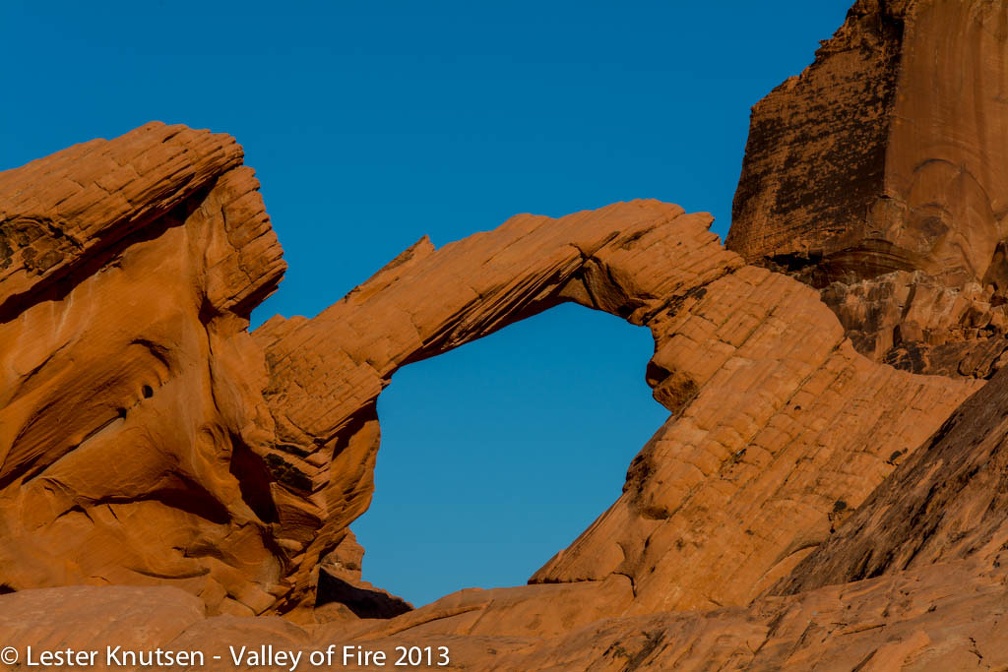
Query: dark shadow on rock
x,y
363,602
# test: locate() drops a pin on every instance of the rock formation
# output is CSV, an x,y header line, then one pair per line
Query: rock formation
x,y
806,504
270,471
878,176
131,400
946,504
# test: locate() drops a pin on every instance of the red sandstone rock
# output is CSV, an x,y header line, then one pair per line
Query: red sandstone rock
x,y
722,332
782,518
257,473
878,175
131,399
946,502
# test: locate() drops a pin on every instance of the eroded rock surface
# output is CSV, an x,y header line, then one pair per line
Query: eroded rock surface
x,y
131,397
878,176
946,503
805,505
231,466
275,463
774,446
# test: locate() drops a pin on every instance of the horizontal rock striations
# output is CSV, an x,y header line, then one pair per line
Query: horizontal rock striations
x,y
258,452
781,430
945,504
878,176
722,331
806,505
131,409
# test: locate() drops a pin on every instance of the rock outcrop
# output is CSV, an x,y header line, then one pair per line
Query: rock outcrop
x,y
948,502
805,506
878,176
722,331
131,402
257,453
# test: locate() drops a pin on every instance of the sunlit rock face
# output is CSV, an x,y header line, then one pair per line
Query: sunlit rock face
x,y
753,368
149,439
131,399
879,177
805,504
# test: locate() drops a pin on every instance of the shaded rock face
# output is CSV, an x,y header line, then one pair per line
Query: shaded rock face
x,y
878,176
949,501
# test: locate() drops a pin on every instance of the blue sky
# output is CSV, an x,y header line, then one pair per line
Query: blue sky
x,y
373,123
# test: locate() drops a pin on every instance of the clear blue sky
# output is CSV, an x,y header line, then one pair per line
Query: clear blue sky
x,y
373,123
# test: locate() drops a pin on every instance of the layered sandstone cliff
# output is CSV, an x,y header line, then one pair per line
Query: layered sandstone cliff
x,y
878,176
805,505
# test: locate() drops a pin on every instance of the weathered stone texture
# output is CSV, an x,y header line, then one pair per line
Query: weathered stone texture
x,y
784,431
805,505
879,176
797,393
131,398
192,455
947,502
815,157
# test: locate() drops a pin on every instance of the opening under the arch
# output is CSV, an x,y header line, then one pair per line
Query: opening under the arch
x,y
498,454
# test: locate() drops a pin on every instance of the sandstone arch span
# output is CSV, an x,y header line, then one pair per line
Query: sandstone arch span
x,y
257,452
742,410
496,455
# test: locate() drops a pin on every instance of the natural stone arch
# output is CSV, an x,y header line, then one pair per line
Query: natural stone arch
x,y
497,454
426,302
720,330
773,417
